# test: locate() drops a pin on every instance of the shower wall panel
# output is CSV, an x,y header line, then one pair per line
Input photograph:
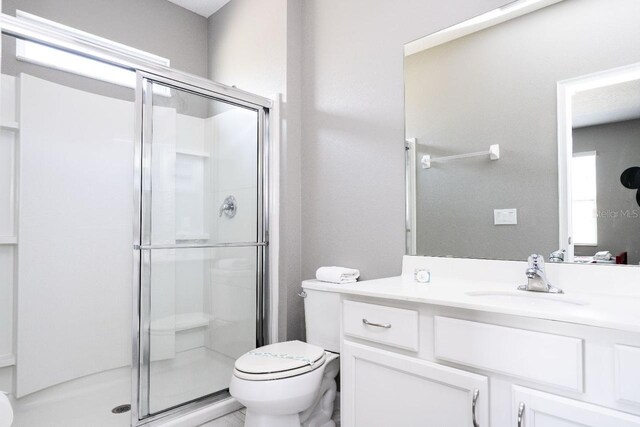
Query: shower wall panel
x,y
6,301
233,135
7,155
75,231
233,280
163,203
8,134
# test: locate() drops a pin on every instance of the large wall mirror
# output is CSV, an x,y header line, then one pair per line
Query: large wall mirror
x,y
523,134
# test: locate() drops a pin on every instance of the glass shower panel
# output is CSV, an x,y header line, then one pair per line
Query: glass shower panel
x,y
202,318
204,169
201,251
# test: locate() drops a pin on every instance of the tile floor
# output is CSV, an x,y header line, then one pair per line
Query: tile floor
x,y
236,419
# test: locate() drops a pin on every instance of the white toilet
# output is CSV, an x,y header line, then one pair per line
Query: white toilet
x,y
292,384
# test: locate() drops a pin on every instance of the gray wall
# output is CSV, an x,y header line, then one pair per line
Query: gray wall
x,y
342,180
618,148
156,26
499,86
353,126
255,45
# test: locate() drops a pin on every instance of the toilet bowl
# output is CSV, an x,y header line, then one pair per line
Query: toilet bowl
x,y
292,384
288,384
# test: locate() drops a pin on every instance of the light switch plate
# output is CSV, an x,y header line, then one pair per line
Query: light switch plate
x,y
505,216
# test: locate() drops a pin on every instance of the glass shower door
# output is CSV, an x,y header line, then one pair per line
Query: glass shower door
x,y
201,241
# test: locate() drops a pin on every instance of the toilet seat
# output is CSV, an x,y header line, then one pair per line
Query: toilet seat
x,y
278,361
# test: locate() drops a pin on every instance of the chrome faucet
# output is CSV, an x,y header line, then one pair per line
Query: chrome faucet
x,y
557,256
536,277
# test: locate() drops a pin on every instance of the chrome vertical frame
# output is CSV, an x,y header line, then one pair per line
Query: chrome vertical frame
x,y
142,258
261,236
144,98
410,196
264,286
408,209
137,221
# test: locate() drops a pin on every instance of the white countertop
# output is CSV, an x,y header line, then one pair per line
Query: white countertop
x,y
596,309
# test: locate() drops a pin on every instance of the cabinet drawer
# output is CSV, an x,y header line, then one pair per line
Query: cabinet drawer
x,y
386,325
544,358
627,362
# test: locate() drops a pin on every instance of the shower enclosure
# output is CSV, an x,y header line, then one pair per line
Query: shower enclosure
x,y
97,317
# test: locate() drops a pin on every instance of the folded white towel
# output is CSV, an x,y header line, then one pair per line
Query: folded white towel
x,y
603,256
337,274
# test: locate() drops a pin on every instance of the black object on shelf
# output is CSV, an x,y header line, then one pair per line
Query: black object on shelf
x,y
630,178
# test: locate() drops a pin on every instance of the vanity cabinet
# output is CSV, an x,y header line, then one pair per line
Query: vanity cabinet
x,y
406,364
534,408
382,388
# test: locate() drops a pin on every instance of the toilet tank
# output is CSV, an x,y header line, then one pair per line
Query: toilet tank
x,y
322,315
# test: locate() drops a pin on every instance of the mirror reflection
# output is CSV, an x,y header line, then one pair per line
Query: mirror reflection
x,y
520,125
605,214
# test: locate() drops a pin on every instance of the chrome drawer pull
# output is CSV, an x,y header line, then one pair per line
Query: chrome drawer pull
x,y
377,325
520,414
474,403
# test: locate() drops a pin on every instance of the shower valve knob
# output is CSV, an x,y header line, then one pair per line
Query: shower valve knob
x,y
229,207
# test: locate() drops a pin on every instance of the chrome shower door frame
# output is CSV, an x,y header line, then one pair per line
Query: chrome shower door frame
x,y
143,244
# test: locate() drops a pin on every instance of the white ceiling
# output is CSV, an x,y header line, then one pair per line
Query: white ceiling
x,y
205,8
607,104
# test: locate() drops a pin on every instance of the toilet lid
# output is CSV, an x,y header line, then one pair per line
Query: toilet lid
x,y
279,360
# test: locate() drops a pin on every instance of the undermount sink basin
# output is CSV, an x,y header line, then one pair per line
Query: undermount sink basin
x,y
527,298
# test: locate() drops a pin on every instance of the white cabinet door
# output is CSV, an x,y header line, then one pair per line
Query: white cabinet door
x,y
381,388
532,408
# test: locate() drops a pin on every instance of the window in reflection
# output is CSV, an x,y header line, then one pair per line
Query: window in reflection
x,y
583,190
